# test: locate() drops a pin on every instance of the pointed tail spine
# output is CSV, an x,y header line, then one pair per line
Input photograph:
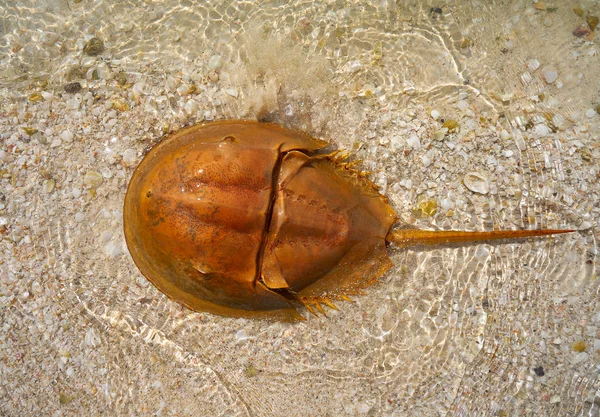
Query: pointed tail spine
x,y
413,237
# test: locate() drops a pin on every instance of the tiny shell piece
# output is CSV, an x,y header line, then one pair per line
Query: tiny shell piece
x,y
477,183
550,74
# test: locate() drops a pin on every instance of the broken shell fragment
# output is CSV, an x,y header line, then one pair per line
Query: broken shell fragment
x,y
477,183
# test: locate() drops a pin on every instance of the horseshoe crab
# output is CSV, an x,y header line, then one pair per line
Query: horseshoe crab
x,y
246,219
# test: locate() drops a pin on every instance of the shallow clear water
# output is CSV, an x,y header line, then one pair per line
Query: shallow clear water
x,y
500,330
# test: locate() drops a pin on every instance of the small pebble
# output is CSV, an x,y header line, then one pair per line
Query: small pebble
x,y
215,62
49,186
75,73
451,125
414,142
533,65
579,346
580,31
462,105
241,335
92,179
172,83
35,97
129,157
49,38
426,160
232,92
580,357
76,192
213,76
105,237
550,74
104,72
435,114
406,183
440,135
113,249
138,88
106,172
592,22
446,204
477,183
72,88
93,47
91,339
526,78
355,66
67,136
541,130
590,113
208,115
427,208
79,217
191,107
30,131
121,78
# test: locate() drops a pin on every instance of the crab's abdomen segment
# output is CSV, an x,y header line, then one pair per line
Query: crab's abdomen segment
x,y
327,231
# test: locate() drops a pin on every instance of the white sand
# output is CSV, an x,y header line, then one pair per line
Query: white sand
x,y
505,330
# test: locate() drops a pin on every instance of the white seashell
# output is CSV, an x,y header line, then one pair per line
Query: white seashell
x,y
541,130
49,38
215,62
92,179
190,107
414,142
550,74
129,157
477,183
533,64
526,78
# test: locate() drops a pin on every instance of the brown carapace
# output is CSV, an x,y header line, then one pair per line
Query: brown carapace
x,y
246,219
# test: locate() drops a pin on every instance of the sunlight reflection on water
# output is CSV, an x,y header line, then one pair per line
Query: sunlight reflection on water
x,y
452,331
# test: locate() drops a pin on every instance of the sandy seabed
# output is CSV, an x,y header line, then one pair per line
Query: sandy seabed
x,y
469,117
